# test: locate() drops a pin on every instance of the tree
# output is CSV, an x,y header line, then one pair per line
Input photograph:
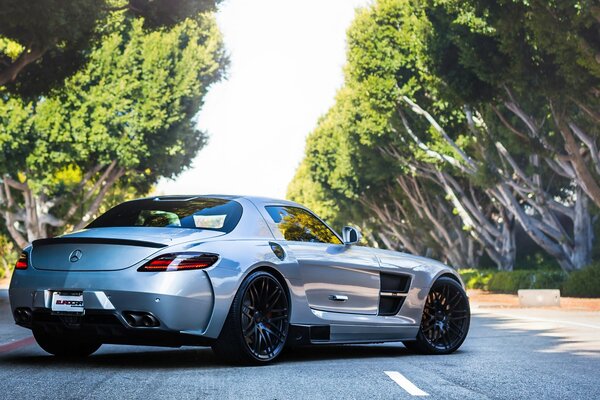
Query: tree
x,y
124,120
439,91
354,152
530,70
8,256
539,65
43,42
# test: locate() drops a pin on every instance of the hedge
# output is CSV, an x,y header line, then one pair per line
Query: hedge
x,y
476,278
512,281
583,283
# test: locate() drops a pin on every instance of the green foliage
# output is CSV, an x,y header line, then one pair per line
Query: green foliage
x,y
134,102
311,194
8,256
476,278
132,105
344,160
464,62
544,52
512,281
584,283
43,42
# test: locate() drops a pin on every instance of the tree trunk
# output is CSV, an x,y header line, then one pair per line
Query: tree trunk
x,y
28,56
583,233
508,246
585,177
31,219
528,223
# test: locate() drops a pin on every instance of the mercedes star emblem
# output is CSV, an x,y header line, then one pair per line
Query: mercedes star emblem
x,y
75,255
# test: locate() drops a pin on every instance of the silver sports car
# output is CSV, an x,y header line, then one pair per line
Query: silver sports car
x,y
248,276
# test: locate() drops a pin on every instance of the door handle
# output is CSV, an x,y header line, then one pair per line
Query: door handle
x,y
337,297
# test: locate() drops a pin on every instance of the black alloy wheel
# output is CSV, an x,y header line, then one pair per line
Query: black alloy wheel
x,y
256,329
445,321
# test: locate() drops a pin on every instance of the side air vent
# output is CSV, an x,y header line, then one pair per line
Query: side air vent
x,y
394,288
395,283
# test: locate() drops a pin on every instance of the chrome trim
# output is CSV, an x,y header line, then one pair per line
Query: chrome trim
x,y
338,297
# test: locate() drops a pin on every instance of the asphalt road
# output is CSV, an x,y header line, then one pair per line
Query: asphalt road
x,y
509,354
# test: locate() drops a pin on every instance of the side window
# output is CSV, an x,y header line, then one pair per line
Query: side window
x,y
299,225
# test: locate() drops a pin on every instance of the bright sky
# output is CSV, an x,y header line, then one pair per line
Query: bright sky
x,y
286,65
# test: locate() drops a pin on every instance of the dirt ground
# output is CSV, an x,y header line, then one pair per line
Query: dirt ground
x,y
487,299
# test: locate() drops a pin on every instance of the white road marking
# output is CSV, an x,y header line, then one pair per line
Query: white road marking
x,y
405,383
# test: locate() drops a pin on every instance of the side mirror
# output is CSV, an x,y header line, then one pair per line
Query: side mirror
x,y
350,235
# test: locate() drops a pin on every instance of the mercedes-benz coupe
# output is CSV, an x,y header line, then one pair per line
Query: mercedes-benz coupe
x,y
248,276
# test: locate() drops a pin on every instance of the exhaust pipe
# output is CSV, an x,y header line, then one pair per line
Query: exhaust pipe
x,y
149,320
23,315
140,319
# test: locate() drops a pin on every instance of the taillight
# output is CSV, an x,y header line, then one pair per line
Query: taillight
x,y
179,262
22,261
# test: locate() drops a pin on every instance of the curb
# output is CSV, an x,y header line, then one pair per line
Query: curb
x,y
16,344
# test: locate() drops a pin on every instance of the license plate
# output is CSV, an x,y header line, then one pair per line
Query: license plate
x,y
67,303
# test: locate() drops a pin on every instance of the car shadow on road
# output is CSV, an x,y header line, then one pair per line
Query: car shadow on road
x,y
338,352
158,358
126,357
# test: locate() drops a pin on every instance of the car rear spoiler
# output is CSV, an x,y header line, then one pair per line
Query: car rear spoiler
x,y
90,240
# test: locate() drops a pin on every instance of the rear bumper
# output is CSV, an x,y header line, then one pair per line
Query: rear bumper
x,y
109,327
181,301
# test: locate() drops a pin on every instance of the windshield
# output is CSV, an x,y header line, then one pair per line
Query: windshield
x,y
200,213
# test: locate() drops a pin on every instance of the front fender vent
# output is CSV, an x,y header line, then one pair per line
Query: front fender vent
x,y
392,293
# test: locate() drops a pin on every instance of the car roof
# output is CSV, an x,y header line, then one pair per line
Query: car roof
x,y
257,200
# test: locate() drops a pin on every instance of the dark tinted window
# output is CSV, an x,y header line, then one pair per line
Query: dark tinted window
x,y
202,213
301,226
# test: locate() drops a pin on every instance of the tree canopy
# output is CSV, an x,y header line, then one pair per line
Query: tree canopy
x,y
460,122
43,42
124,120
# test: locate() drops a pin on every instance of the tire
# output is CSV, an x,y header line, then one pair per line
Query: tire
x,y
256,329
67,346
446,318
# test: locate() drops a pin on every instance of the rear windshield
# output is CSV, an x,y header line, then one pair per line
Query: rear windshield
x,y
201,213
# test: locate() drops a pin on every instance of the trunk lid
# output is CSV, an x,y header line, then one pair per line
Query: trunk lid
x,y
108,249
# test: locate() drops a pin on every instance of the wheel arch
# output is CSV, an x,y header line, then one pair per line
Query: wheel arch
x,y
217,328
448,273
271,270
451,276
277,274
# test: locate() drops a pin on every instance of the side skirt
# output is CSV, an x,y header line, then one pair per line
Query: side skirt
x,y
300,335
